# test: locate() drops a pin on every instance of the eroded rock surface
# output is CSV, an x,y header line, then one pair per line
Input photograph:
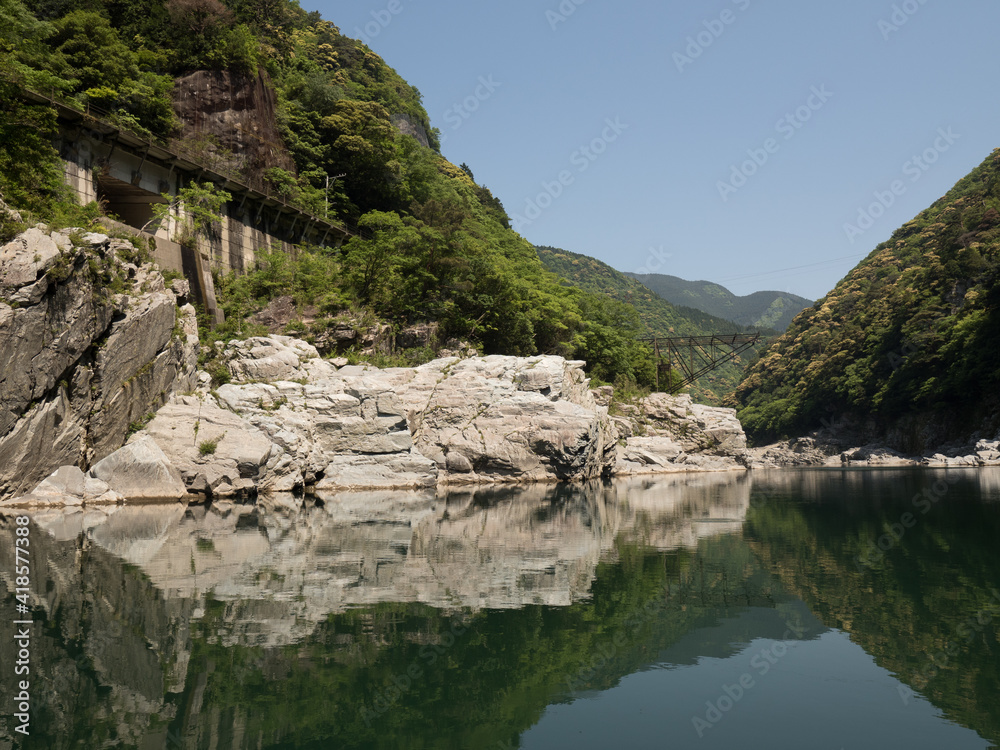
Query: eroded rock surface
x,y
291,419
667,434
91,341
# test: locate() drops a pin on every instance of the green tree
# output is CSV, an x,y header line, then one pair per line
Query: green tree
x,y
202,205
363,147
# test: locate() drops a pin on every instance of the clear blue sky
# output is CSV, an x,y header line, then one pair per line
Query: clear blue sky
x,y
519,87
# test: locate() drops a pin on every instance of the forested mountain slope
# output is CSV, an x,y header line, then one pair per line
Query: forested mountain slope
x,y
906,344
431,244
761,309
658,316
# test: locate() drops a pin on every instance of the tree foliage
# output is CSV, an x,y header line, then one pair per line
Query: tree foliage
x,y
656,316
912,329
428,244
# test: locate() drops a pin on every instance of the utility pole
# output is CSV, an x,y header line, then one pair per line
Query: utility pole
x,y
336,177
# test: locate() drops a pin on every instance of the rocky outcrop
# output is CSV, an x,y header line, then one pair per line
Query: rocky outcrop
x,y
91,341
805,451
823,449
667,434
229,120
502,419
408,125
299,420
140,470
291,419
68,485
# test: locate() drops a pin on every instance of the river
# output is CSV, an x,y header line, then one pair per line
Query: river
x,y
818,608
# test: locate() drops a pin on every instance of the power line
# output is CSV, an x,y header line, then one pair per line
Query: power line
x,y
792,268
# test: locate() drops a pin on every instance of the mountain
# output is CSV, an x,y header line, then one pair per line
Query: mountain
x,y
658,316
336,132
758,310
905,346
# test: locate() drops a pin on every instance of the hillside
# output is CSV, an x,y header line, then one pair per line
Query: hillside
x,y
658,316
774,310
430,245
904,346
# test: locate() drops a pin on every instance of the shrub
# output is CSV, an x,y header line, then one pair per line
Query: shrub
x,y
208,447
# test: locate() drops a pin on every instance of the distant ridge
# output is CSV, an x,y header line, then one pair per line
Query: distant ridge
x,y
659,317
774,310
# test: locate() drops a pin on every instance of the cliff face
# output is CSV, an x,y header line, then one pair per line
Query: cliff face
x,y
230,119
91,340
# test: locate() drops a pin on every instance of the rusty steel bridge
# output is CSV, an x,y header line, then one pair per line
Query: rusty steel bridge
x,y
690,357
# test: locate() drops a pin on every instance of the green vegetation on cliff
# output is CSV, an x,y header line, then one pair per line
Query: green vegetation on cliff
x,y
910,332
430,244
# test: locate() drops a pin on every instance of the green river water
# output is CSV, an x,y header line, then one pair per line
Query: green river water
x,y
834,609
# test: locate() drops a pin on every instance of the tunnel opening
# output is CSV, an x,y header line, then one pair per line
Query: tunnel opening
x,y
129,204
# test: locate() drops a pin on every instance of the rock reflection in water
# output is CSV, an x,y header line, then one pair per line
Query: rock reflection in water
x,y
488,548
122,589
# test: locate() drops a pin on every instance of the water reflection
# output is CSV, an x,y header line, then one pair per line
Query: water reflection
x,y
488,548
294,624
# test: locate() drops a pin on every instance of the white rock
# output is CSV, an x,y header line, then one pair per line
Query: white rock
x,y
25,257
140,470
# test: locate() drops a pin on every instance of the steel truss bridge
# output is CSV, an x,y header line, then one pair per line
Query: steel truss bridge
x,y
690,357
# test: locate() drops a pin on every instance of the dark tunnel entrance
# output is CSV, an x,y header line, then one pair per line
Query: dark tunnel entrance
x,y
130,204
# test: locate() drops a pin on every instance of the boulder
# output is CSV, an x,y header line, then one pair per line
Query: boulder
x,y
69,486
273,358
382,472
26,258
666,434
214,449
504,419
278,313
420,335
140,470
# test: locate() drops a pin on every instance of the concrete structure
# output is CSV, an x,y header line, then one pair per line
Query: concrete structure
x,y
127,174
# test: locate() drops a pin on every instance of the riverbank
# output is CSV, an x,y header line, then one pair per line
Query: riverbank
x,y
100,402
825,449
289,420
